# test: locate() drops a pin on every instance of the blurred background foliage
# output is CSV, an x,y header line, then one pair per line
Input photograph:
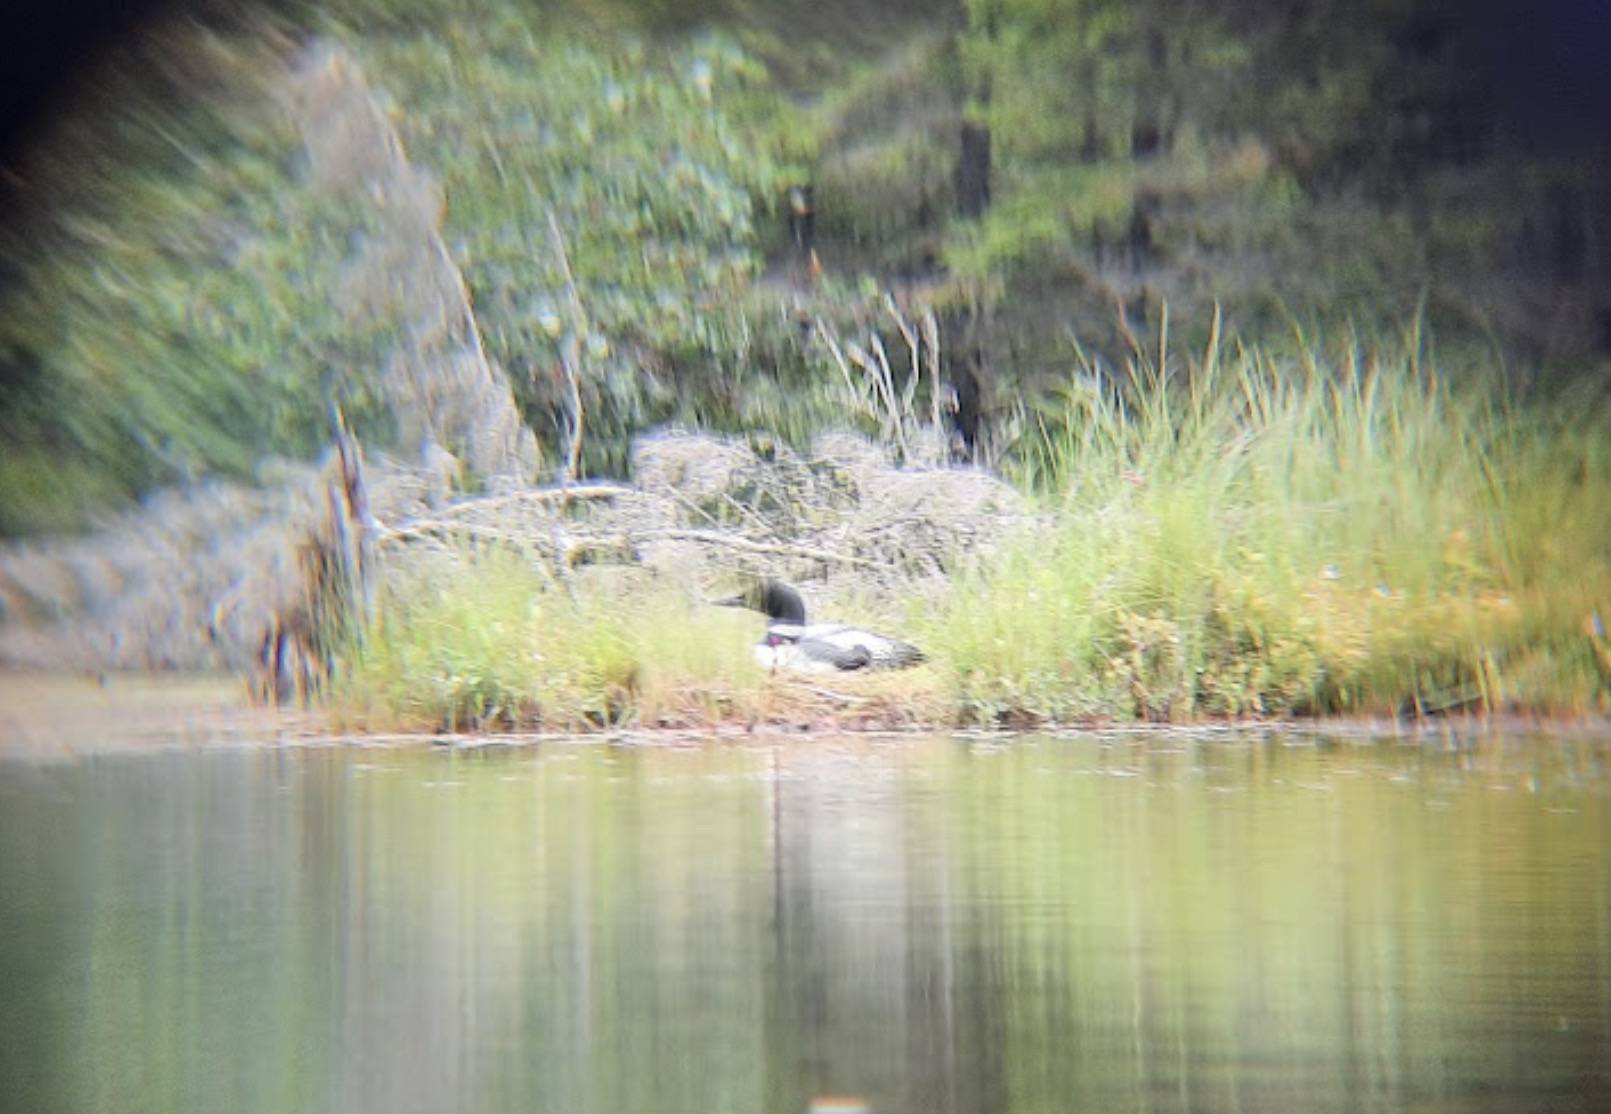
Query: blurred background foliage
x,y
654,163
1031,170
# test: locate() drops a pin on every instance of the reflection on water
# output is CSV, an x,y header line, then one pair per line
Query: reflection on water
x,y
1153,923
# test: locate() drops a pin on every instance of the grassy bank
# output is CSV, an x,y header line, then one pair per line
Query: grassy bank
x,y
485,639
1334,531
1232,532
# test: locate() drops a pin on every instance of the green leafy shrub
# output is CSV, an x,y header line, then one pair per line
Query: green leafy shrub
x,y
654,164
174,313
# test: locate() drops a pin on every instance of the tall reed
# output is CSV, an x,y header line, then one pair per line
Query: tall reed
x,y
1239,531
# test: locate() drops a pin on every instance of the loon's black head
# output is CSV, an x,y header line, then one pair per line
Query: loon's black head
x,y
773,598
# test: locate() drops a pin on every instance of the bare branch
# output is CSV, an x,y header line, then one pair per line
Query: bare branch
x,y
825,331
931,336
746,545
431,527
538,495
913,347
571,352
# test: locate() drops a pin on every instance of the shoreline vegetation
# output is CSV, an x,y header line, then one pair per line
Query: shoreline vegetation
x,y
1239,536
1116,409
53,716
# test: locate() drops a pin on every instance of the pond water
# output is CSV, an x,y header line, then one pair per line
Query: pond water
x,y
1126,923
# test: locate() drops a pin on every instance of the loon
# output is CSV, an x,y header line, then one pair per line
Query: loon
x,y
791,643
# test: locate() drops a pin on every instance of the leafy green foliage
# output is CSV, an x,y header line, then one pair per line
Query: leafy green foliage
x,y
180,322
172,314
180,311
654,165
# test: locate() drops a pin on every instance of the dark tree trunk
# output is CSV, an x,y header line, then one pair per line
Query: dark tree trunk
x,y
966,374
1149,133
965,419
1143,216
973,170
802,204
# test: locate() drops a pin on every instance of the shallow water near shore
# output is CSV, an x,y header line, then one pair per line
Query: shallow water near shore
x,y
1222,921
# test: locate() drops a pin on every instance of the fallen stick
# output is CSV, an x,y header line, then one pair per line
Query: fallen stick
x,y
746,545
579,540
540,495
